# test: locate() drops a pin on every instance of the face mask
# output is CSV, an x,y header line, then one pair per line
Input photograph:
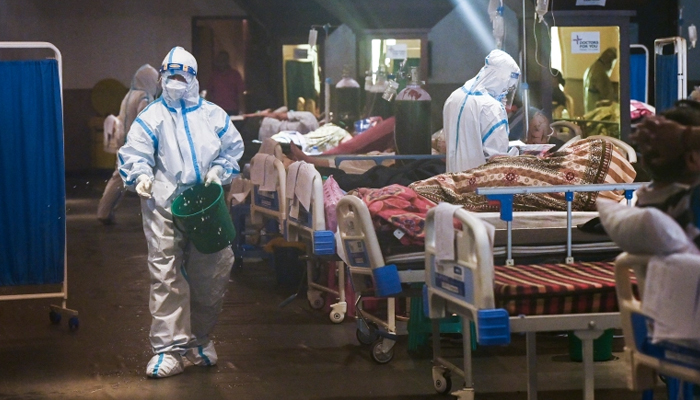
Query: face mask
x,y
175,90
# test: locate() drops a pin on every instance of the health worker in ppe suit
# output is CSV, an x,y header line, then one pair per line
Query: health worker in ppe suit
x,y
597,85
179,141
144,89
475,122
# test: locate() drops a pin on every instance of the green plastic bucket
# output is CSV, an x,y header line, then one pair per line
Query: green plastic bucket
x,y
602,347
201,213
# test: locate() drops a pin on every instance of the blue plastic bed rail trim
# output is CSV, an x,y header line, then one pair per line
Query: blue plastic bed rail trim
x,y
665,351
268,200
387,280
324,243
493,326
506,201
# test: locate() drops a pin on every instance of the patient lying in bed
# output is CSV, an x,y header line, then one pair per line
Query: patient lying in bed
x,y
589,161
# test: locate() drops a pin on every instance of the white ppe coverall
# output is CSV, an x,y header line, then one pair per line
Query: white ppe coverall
x,y
475,122
143,90
176,142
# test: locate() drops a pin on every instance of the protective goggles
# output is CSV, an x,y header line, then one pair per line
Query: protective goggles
x,y
177,67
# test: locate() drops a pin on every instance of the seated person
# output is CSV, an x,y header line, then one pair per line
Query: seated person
x,y
670,149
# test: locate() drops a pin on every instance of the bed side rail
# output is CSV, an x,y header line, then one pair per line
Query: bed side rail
x,y
465,283
269,204
504,196
310,225
647,359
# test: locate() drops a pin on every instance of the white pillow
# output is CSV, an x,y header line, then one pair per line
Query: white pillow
x,y
643,230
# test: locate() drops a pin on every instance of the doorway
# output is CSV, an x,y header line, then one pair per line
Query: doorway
x,y
301,80
211,36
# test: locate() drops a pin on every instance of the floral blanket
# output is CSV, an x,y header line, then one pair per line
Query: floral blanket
x,y
400,207
585,162
588,161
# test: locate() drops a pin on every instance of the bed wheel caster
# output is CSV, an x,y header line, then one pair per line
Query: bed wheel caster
x,y
338,311
368,335
57,313
443,384
315,300
54,317
442,381
73,324
379,352
337,317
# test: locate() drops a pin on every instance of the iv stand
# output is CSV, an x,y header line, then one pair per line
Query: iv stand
x,y
523,68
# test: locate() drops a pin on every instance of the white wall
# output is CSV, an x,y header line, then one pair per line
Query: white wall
x,y
462,39
107,39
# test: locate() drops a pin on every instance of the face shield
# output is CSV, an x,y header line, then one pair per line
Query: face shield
x,y
174,68
506,98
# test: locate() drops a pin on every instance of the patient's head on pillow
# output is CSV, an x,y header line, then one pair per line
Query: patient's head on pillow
x,y
685,167
643,230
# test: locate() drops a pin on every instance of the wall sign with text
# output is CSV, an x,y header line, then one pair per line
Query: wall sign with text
x,y
585,42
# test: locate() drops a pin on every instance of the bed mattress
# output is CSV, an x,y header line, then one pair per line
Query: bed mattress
x,y
543,289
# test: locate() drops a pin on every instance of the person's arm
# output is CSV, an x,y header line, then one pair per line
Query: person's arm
x,y
137,156
494,133
231,146
299,155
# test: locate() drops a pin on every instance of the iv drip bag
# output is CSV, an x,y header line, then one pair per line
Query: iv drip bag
x,y
541,8
692,35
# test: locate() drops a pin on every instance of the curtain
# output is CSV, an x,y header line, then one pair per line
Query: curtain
x,y
638,79
32,183
666,86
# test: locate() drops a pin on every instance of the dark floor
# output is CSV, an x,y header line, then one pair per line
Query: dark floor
x,y
265,352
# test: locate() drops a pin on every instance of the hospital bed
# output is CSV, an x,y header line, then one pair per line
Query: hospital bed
x,y
309,227
263,206
501,300
359,247
646,359
271,208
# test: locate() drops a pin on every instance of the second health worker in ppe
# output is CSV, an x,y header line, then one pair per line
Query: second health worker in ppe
x,y
475,122
178,141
